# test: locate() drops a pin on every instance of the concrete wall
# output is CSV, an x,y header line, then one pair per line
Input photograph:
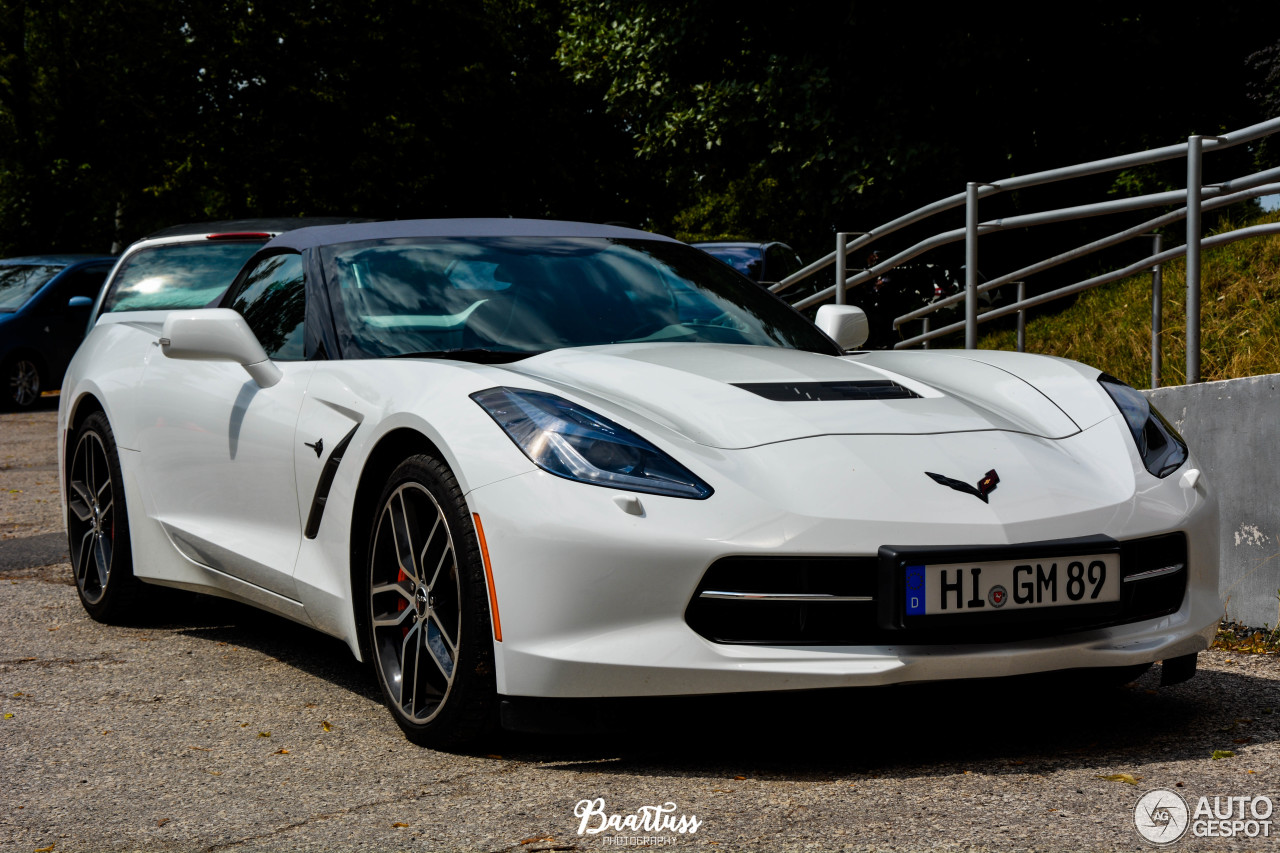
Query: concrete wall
x,y
1233,428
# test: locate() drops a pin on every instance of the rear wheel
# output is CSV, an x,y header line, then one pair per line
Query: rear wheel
x,y
21,382
427,620
98,524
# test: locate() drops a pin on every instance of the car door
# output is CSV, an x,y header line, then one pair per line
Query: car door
x,y
217,449
64,325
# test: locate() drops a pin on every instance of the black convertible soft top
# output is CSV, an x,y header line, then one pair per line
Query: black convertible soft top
x,y
306,238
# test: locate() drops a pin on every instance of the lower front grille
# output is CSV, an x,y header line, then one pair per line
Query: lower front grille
x,y
843,616
857,601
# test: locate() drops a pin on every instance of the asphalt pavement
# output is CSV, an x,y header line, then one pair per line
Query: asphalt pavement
x,y
214,727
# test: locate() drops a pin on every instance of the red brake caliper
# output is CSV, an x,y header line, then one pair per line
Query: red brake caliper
x,y
401,604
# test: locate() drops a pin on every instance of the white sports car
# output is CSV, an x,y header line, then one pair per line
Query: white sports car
x,y
515,461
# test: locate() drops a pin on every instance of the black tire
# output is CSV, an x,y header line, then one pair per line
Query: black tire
x,y
426,609
21,383
98,524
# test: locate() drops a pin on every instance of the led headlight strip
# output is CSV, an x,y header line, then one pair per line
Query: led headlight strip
x,y
574,442
1162,450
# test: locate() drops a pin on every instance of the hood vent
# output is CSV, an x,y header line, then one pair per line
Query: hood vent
x,y
806,392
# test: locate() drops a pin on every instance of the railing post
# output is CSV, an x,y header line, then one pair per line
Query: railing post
x,y
1195,169
842,242
1022,318
1157,310
971,266
924,330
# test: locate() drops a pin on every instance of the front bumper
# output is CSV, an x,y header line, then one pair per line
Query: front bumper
x,y
593,596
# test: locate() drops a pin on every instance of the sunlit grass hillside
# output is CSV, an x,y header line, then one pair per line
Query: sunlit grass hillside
x,y
1109,327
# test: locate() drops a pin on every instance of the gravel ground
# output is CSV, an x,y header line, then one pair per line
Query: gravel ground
x,y
215,727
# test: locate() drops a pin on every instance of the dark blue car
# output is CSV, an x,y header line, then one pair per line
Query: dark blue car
x,y
45,302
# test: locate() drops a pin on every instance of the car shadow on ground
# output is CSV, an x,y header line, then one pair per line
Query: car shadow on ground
x,y
997,726
220,620
1015,726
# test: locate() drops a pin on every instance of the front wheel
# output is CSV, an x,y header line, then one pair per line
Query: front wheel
x,y
98,524
427,612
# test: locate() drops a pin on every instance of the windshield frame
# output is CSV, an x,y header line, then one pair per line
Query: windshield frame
x,y
683,266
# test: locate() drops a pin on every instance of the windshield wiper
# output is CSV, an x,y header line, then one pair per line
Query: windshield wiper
x,y
476,355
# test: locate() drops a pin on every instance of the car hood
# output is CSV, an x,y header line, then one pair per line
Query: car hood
x,y
694,390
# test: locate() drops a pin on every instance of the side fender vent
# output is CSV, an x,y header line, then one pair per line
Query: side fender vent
x,y
325,483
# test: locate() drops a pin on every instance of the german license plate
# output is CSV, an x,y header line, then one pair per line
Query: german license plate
x,y
988,586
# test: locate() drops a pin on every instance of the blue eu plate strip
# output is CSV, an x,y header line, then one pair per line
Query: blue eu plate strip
x,y
915,590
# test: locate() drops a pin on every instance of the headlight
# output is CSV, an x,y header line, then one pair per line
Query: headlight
x,y
575,443
1162,450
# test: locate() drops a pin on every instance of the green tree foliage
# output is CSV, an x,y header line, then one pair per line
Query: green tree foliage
x,y
88,111
702,117
800,118
1264,91
203,109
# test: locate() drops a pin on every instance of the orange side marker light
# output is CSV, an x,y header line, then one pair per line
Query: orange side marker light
x,y
488,576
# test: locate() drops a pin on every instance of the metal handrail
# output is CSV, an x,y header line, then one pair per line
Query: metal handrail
x,y
1196,197
1115,275
1097,245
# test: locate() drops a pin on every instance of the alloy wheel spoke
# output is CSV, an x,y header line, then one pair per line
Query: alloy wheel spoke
x,y
389,588
82,504
90,467
102,558
442,652
451,642
417,672
410,640
431,538
403,537
83,556
445,557
393,621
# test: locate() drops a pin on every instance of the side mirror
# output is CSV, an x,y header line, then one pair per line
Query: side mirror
x,y
217,334
78,302
845,324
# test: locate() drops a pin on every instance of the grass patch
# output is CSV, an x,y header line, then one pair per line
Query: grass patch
x,y
1109,327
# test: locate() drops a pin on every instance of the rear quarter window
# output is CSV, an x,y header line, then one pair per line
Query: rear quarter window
x,y
178,275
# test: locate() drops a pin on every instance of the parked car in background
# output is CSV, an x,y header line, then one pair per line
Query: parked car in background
x,y
44,303
764,263
190,266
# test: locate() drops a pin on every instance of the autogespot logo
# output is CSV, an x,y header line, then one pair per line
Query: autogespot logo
x,y
1161,816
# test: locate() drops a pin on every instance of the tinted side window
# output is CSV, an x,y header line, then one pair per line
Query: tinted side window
x,y
272,299
82,282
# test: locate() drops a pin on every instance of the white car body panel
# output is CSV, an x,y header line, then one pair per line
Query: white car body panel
x,y
592,584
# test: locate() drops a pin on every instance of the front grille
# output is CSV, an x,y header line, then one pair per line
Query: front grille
x,y
858,600
831,622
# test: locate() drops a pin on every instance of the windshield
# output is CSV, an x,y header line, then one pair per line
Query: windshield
x,y
19,282
178,275
523,296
